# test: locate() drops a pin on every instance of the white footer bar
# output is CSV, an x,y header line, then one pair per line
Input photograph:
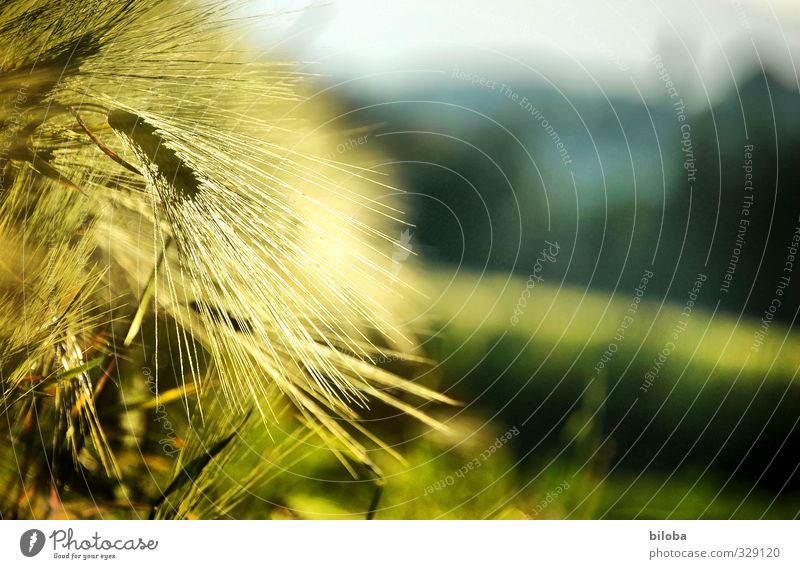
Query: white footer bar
x,y
406,544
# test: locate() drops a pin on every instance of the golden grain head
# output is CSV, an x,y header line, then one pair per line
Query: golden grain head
x,y
156,169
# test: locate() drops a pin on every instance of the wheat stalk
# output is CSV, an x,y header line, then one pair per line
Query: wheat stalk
x,y
146,156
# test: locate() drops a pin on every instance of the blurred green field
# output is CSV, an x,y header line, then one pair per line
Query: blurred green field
x,y
710,436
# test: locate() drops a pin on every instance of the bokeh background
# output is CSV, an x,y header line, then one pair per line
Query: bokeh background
x,y
605,210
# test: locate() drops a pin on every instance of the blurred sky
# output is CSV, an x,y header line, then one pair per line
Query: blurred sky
x,y
709,45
